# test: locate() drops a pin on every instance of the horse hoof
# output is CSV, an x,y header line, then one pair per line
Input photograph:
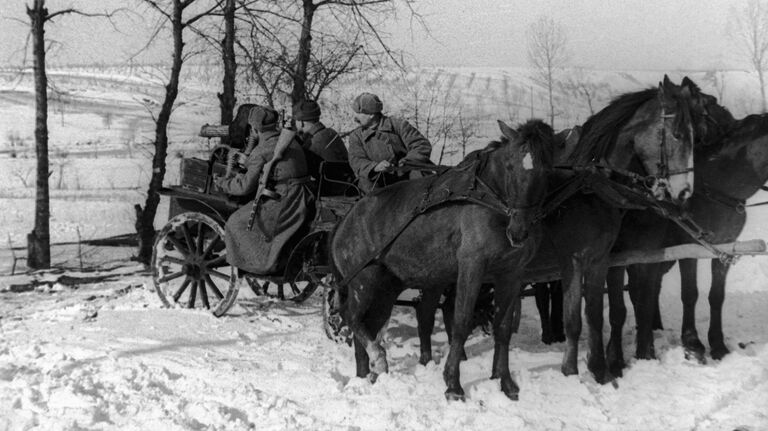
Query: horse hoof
x,y
514,396
604,378
454,396
617,369
695,355
648,354
569,370
510,389
379,366
719,353
558,338
372,377
547,338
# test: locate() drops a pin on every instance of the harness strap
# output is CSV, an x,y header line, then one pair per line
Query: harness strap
x,y
738,205
487,198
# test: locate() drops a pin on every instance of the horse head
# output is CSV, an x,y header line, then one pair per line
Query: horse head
x,y
663,141
711,121
526,157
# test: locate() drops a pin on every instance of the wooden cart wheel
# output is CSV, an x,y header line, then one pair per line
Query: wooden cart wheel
x,y
189,265
306,267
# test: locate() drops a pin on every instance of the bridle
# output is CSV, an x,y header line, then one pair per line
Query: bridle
x,y
663,172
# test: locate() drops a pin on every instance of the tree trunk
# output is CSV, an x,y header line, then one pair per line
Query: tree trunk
x,y
761,77
550,84
145,217
39,240
227,99
299,91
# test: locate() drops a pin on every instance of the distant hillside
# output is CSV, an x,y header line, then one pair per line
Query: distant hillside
x,y
455,107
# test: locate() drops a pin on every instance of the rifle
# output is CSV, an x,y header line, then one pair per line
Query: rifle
x,y
285,138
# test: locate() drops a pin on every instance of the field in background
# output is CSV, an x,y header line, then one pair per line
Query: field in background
x,y
101,126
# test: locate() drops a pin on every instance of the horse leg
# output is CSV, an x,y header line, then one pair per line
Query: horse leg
x,y
506,293
425,316
369,355
572,287
556,314
594,297
375,321
467,289
689,294
643,281
542,292
716,300
617,316
447,308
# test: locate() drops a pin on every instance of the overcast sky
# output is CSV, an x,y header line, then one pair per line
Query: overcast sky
x,y
616,34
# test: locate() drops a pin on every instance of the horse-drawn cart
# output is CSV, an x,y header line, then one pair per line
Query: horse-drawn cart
x,y
189,263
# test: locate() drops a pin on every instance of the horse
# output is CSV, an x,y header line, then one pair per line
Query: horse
x,y
391,240
648,133
549,295
731,166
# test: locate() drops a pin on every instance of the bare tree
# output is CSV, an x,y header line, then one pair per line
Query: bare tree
x,y
284,62
748,28
39,240
172,13
581,86
546,53
716,78
227,99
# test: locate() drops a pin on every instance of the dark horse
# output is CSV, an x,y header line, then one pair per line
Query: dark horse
x,y
385,244
647,133
731,166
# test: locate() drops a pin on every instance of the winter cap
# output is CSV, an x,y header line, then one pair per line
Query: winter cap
x,y
306,110
367,103
263,118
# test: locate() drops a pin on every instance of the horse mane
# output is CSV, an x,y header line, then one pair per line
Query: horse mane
x,y
537,134
599,133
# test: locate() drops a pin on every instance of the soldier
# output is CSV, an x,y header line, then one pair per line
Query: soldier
x,y
277,221
381,143
320,143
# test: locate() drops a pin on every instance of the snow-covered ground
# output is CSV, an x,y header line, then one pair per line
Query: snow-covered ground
x,y
107,356
94,349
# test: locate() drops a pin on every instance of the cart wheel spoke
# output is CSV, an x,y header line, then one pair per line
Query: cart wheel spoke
x,y
295,289
215,241
200,237
184,250
180,290
188,238
217,262
212,286
172,276
203,294
192,296
217,274
173,259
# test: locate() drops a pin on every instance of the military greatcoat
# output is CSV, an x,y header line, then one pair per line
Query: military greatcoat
x,y
277,220
392,139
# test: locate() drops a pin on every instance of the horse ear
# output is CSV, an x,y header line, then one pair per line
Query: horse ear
x,y
507,131
667,82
